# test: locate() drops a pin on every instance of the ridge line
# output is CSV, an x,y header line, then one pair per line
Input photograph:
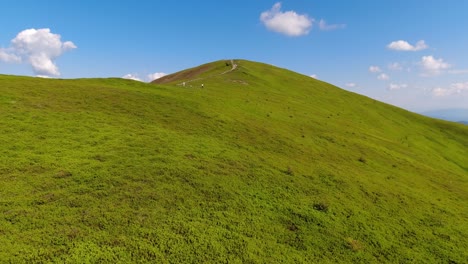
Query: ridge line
x,y
234,67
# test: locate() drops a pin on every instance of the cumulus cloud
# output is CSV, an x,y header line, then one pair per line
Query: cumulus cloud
x,y
149,77
351,85
374,69
383,77
327,27
433,66
132,76
38,47
402,45
154,76
288,23
394,86
454,89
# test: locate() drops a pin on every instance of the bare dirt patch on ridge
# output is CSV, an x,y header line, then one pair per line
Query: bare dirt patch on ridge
x,y
184,75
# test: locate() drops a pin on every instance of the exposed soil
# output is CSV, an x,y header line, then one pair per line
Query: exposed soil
x,y
192,74
184,75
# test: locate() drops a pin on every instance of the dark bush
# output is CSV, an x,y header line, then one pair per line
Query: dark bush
x,y
323,207
289,171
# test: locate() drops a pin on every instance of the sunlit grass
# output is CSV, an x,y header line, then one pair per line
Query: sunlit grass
x,y
262,165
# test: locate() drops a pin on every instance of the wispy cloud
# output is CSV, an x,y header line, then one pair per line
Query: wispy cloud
x,y
38,47
314,76
7,55
327,27
383,77
288,23
394,86
454,89
374,69
395,66
402,45
458,72
351,85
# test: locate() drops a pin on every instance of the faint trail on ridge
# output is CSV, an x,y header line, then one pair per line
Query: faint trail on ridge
x,y
234,66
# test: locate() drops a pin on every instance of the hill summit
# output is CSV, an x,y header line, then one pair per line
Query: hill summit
x,y
201,72
260,165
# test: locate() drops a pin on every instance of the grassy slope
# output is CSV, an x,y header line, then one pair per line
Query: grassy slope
x,y
262,165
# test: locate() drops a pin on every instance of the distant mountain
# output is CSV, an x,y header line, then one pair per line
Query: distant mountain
x,y
454,114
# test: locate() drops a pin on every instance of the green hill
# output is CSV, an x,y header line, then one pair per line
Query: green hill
x,y
262,165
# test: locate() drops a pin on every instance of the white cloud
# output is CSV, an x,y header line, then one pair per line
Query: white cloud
x,y
383,77
314,76
374,69
394,86
454,89
440,92
351,85
395,66
326,27
8,56
41,47
289,23
149,77
132,76
459,87
433,66
156,75
402,45
38,47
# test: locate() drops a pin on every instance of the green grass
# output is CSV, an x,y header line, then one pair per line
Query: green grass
x,y
263,165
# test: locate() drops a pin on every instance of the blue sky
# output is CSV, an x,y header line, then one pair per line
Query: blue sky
x,y
411,53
